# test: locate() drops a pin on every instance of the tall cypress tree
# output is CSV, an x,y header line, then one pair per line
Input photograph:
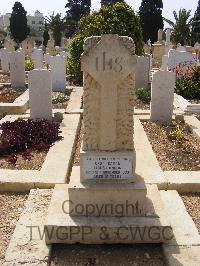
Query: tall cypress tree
x,y
75,10
196,25
151,18
18,23
110,2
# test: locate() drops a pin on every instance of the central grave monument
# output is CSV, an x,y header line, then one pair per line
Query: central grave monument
x,y
108,64
106,200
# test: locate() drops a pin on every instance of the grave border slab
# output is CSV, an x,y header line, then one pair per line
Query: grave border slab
x,y
19,106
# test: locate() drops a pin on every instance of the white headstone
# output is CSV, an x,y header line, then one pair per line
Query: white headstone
x,y
160,35
5,60
37,57
164,62
40,94
175,58
17,68
142,72
168,37
181,49
58,72
64,54
47,58
162,96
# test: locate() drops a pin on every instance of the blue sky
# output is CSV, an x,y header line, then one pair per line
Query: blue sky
x,y
48,6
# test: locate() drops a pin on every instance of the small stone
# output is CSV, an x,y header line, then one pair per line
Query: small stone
x,y
147,255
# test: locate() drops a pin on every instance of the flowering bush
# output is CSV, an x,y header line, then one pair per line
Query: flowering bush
x,y
29,65
59,97
188,81
23,135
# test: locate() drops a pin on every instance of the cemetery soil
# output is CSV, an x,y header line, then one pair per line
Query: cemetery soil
x,y
109,255
8,95
5,78
62,105
141,105
34,163
192,204
11,206
173,155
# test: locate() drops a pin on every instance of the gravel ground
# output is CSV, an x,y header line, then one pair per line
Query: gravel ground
x,y
192,204
107,255
62,105
11,206
8,95
173,156
4,78
34,163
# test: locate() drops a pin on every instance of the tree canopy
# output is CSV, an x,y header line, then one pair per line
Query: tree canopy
x,y
76,9
18,23
151,18
110,2
196,25
57,24
117,19
181,26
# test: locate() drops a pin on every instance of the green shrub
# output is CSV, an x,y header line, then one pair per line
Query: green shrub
x,y
29,65
58,97
143,95
188,85
118,19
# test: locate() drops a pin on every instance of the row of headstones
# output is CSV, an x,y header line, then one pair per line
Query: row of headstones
x,y
162,95
179,58
15,62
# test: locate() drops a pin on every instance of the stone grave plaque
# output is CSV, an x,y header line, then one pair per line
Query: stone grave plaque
x,y
108,167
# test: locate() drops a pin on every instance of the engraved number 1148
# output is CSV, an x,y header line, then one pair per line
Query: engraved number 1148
x,y
113,64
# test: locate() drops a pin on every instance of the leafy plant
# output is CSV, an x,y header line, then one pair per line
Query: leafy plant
x,y
117,19
177,135
29,65
143,95
24,135
58,97
188,82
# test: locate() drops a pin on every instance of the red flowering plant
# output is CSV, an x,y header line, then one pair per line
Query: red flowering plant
x,y
24,136
187,81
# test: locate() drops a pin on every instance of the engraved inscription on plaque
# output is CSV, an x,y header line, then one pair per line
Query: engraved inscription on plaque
x,y
107,167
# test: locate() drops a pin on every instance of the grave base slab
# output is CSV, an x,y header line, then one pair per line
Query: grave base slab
x,y
153,227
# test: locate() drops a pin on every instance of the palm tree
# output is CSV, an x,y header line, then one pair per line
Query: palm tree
x,y
181,32
57,25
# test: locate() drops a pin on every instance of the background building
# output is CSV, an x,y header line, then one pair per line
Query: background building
x,y
36,23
